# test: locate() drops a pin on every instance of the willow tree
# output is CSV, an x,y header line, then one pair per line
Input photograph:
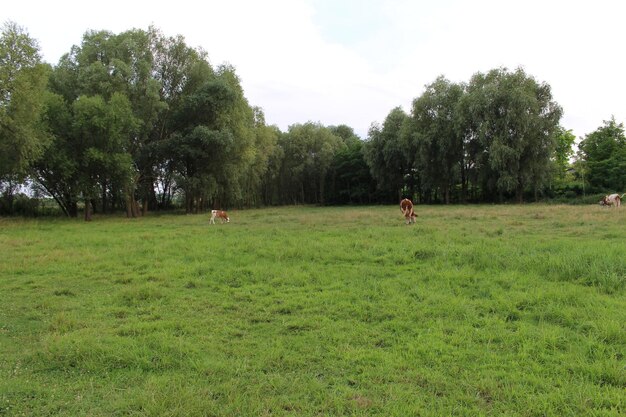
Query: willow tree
x,y
563,151
105,65
309,150
514,120
198,145
23,80
603,152
349,179
388,155
89,151
260,163
438,138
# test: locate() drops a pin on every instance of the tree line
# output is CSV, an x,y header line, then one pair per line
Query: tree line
x,y
141,121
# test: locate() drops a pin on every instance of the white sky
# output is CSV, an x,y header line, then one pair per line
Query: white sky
x,y
352,61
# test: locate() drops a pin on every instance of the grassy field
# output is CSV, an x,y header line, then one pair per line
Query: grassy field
x,y
474,310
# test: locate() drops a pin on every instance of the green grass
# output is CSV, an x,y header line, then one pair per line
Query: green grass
x,y
473,311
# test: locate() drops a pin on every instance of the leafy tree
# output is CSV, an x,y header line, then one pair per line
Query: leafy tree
x,y
242,121
88,157
57,170
174,64
346,133
604,154
388,156
349,180
271,183
198,95
563,151
134,65
308,154
105,65
23,80
198,144
213,138
124,63
194,129
515,121
101,133
438,139
262,162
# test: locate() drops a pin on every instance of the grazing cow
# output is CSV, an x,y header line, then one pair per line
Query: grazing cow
x,y
612,200
220,215
406,206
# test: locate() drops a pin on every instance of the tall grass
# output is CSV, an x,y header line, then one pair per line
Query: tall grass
x,y
303,311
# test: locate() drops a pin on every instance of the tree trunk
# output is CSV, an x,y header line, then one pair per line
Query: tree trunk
x,y
10,198
129,207
72,209
136,211
188,203
520,194
150,195
88,208
463,184
105,204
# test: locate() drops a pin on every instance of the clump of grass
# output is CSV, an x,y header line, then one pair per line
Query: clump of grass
x,y
64,292
141,294
191,285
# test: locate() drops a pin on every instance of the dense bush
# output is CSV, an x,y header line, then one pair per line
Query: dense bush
x,y
24,205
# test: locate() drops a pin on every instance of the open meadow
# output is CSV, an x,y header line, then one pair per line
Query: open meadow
x,y
305,311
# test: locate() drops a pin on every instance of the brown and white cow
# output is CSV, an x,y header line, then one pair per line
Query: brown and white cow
x,y
612,200
220,215
406,206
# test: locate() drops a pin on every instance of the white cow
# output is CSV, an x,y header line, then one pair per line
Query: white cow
x,y
612,200
220,215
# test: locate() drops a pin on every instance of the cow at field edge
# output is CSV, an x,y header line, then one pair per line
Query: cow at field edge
x,y
220,215
406,206
612,200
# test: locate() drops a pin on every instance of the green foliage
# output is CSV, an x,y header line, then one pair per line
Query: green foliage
x,y
89,150
513,121
111,75
486,310
309,150
183,126
261,173
349,179
140,116
346,133
603,155
23,80
490,139
18,204
388,155
437,138
563,151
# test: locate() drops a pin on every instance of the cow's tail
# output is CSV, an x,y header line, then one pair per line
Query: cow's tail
x,y
621,197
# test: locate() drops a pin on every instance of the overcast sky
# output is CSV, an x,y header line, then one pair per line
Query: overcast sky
x,y
352,61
